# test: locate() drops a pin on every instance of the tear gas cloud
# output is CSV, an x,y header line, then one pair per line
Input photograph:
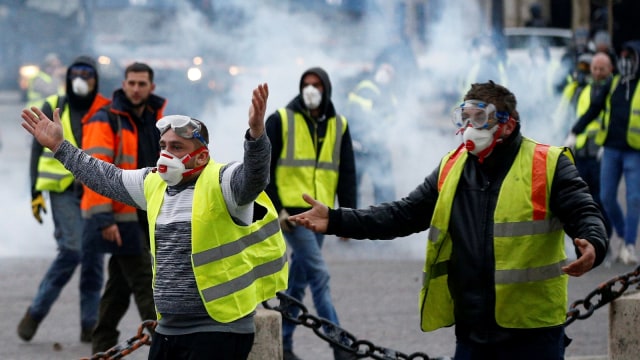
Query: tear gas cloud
x,y
266,42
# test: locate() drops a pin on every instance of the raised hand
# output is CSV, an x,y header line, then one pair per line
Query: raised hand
x,y
48,133
257,110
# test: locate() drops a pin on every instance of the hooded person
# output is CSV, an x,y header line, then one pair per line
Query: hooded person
x,y
311,152
620,139
81,100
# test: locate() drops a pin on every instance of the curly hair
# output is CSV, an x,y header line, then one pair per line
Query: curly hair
x,y
495,94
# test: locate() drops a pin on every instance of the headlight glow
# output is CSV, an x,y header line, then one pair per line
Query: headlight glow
x,y
104,60
194,74
29,71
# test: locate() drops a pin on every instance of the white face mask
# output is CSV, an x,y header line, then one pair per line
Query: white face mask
x,y
479,142
172,169
80,86
312,97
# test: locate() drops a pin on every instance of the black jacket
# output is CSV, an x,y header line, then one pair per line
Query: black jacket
x,y
346,191
471,270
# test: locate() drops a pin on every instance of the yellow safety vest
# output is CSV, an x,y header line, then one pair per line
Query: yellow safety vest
x,y
236,267
52,175
34,98
298,170
633,129
584,100
530,287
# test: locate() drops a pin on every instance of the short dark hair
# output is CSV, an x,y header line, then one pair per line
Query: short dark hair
x,y
139,67
203,130
495,94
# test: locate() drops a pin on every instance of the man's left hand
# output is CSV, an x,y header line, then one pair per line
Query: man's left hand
x,y
257,110
585,262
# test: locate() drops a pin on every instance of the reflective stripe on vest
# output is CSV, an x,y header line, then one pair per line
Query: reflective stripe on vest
x,y
633,128
52,175
528,245
236,267
364,103
298,171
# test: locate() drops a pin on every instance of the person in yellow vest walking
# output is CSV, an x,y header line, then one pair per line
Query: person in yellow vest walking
x,y
311,152
81,101
49,80
216,245
619,135
585,149
496,209
372,107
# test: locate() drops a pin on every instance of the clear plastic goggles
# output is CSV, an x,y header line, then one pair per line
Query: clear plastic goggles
x,y
184,126
476,113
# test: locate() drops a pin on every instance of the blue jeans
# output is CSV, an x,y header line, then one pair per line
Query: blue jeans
x,y
307,267
68,223
616,163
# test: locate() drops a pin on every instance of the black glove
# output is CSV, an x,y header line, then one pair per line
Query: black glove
x,y
38,204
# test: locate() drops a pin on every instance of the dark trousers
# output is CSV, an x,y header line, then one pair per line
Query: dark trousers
x,y
546,344
201,346
128,275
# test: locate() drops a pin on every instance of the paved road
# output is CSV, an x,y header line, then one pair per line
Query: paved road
x,y
374,284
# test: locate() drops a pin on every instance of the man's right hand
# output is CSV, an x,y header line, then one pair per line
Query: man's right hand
x,y
38,205
48,133
112,233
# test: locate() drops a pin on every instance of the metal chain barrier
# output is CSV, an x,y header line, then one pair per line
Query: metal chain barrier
x,y
339,337
603,294
334,334
132,344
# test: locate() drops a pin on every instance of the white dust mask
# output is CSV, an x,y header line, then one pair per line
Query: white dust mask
x,y
172,169
80,86
312,97
479,142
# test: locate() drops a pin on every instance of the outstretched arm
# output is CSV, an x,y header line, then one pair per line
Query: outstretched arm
x,y
100,176
316,218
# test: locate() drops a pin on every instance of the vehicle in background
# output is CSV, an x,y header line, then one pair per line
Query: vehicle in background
x,y
520,41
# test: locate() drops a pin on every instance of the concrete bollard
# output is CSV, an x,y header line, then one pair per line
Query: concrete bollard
x,y
624,319
267,344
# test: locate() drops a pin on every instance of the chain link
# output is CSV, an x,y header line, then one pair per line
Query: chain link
x,y
132,344
603,294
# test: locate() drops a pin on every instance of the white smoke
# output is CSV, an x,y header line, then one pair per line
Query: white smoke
x,y
266,41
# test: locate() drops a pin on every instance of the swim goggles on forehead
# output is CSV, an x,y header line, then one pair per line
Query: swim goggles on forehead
x,y
476,113
184,126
